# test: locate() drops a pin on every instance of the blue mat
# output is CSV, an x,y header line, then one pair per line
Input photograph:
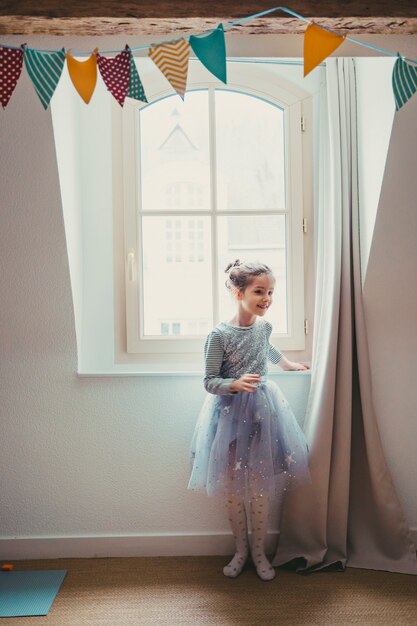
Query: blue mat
x,y
29,593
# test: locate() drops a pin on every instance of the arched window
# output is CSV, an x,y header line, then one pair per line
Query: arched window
x,y
205,181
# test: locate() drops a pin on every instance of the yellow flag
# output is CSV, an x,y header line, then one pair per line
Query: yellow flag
x,y
318,45
172,60
83,75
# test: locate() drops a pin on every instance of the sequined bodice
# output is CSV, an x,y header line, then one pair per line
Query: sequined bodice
x,y
245,349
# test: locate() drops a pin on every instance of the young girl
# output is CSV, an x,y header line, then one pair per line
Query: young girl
x,y
247,443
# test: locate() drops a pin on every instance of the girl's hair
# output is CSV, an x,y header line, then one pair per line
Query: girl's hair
x,y
242,274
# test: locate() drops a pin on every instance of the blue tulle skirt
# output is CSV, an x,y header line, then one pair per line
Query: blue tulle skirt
x,y
248,437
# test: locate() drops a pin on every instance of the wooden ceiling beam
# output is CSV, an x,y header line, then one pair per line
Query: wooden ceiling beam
x,y
183,17
166,9
22,25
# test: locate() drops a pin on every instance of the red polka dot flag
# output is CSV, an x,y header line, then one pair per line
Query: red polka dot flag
x,y
11,63
116,74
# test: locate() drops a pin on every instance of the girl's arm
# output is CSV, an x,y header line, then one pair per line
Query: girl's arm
x,y
276,356
213,353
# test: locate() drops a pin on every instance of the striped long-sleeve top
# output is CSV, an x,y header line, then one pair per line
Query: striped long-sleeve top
x,y
231,351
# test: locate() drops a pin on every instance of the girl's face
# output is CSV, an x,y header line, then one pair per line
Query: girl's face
x,y
257,297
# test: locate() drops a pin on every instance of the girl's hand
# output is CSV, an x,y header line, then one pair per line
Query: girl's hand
x,y
293,366
289,366
245,383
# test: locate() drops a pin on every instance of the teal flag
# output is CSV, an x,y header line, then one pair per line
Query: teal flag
x,y
404,82
211,50
44,69
136,90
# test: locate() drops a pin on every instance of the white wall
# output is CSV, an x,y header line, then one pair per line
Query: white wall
x,y
88,457
375,110
70,186
93,239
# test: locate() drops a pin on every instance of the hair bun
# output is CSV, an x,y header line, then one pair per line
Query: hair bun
x,y
235,263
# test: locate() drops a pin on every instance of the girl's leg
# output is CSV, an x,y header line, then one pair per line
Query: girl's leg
x,y
259,512
237,518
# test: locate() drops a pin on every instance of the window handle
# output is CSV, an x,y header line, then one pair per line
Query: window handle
x,y
130,264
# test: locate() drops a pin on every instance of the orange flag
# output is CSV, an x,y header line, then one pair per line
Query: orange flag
x,y
172,60
318,45
83,75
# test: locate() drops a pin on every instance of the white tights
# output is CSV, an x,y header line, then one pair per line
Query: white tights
x,y
237,519
259,510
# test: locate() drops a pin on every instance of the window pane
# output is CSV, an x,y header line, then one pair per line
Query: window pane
x,y
174,154
250,153
255,238
176,281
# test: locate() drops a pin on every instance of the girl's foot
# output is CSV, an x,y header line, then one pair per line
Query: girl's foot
x,y
263,567
236,565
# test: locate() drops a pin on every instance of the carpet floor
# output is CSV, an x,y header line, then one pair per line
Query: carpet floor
x,y
192,590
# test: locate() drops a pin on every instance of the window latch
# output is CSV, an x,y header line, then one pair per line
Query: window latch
x,y
130,264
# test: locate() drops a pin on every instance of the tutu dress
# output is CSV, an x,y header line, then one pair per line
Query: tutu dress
x,y
241,436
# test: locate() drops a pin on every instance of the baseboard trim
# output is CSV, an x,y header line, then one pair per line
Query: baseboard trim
x,y
210,544
121,546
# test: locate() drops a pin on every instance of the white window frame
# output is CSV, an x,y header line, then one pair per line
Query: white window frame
x,y
251,80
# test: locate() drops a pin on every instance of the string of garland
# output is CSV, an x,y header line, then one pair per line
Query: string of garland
x,y
121,76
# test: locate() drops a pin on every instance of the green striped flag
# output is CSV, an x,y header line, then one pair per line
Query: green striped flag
x,y
136,90
404,82
44,69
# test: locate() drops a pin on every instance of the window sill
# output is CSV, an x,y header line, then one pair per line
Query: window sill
x,y
172,373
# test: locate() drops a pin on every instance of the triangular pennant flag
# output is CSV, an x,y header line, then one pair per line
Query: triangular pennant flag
x,y
172,60
116,74
11,63
83,75
136,90
318,45
44,69
211,50
404,81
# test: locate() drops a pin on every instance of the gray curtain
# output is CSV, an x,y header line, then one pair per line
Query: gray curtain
x,y
350,515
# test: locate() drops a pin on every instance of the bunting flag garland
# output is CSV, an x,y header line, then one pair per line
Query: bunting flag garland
x,y
121,76
83,75
136,90
44,69
116,74
11,63
172,60
404,82
318,45
211,51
